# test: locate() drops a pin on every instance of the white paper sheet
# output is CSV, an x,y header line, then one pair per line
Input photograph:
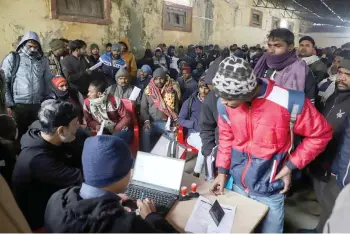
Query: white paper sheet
x,y
200,220
210,164
134,94
167,125
97,65
100,132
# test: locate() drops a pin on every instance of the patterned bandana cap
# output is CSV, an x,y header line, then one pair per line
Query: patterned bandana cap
x,y
234,79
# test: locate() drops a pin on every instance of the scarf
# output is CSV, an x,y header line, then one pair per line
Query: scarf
x,y
25,50
99,108
310,60
292,70
164,99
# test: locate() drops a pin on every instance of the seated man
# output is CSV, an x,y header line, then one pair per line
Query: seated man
x,y
188,85
101,106
160,101
144,75
122,89
43,167
189,118
96,206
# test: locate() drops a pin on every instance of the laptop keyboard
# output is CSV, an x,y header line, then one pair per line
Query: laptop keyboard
x,y
160,199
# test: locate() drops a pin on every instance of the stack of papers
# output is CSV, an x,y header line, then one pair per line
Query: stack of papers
x,y
201,221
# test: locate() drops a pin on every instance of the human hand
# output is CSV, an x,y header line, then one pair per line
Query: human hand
x,y
146,207
286,176
218,186
147,125
9,111
123,197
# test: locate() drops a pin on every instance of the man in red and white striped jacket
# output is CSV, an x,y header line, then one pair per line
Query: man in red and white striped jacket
x,y
257,122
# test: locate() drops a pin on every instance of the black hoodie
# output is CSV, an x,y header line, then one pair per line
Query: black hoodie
x,y
41,170
67,212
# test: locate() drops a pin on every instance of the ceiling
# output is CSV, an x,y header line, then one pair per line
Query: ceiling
x,y
326,15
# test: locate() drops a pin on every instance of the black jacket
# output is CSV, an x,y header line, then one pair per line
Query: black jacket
x,y
320,70
41,170
7,159
208,123
337,112
68,212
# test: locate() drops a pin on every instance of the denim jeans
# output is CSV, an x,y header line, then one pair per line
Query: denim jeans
x,y
127,135
274,219
150,137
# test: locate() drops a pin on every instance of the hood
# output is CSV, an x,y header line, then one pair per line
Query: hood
x,y
158,49
33,139
29,36
169,48
126,42
122,72
147,68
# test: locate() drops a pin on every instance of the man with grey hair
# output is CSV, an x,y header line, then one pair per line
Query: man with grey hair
x,y
27,72
44,165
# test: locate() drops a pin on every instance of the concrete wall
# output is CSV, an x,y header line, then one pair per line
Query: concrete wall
x,y
222,22
330,39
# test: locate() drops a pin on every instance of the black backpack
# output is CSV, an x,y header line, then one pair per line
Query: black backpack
x,y
189,107
15,65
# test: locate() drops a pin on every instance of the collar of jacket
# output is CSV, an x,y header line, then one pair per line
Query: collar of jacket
x,y
87,192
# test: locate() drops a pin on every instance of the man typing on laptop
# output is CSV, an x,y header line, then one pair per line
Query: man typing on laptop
x,y
96,206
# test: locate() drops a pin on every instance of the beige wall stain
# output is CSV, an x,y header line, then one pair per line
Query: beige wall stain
x,y
222,22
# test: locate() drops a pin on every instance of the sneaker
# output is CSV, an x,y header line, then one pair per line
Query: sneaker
x,y
196,174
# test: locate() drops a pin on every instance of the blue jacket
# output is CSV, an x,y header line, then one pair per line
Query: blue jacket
x,y
188,87
191,124
109,67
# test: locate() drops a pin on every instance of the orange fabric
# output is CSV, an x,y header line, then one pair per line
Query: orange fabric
x,y
58,80
129,59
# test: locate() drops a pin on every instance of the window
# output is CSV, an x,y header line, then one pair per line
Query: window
x,y
177,17
85,11
256,18
276,23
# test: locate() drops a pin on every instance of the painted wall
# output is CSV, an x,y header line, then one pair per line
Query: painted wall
x,y
330,39
222,22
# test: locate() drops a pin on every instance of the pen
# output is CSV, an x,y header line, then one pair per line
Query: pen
x,y
142,196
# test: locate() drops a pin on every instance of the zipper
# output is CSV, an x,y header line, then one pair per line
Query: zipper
x,y
249,146
335,101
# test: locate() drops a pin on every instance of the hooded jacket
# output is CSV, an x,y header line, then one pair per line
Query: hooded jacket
x,y
30,81
253,148
162,61
110,67
41,170
129,59
142,84
68,212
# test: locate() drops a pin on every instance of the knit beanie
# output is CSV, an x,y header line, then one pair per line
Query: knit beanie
x,y
234,79
56,44
94,46
159,72
57,80
106,160
116,47
146,68
122,72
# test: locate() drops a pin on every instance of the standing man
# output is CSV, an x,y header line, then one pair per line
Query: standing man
x,y
58,49
160,60
95,54
282,64
129,58
188,85
76,67
307,53
255,151
200,57
27,74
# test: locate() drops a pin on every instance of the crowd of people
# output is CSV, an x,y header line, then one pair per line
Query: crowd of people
x,y
265,115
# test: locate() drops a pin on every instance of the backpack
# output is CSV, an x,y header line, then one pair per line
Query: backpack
x,y
295,107
15,65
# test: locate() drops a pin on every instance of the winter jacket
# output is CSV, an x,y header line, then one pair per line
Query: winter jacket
x,y
253,148
192,123
336,111
213,68
54,64
68,212
12,219
7,159
320,70
142,84
93,60
129,59
74,70
188,87
31,79
120,116
208,123
120,92
110,67
41,170
310,84
200,59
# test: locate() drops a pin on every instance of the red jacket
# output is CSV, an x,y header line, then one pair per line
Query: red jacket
x,y
254,143
119,115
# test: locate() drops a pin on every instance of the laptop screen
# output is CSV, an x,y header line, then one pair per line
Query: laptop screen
x,y
158,170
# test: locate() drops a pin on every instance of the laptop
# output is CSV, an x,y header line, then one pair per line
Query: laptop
x,y
168,147
157,178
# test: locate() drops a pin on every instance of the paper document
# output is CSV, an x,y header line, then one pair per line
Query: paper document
x,y
100,132
97,65
167,125
134,94
200,220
